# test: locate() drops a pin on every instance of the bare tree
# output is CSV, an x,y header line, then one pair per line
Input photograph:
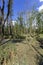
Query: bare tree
x,y
9,7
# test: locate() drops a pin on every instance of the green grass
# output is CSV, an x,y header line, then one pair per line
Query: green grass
x,y
41,35
18,53
6,50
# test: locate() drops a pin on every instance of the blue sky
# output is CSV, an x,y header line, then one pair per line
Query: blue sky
x,y
24,5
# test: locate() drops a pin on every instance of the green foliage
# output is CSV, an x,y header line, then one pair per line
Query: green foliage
x,y
40,22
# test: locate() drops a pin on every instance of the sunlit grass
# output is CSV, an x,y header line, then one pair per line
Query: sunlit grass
x,y
41,35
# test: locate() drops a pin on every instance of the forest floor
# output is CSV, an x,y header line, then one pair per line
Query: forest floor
x,y
21,53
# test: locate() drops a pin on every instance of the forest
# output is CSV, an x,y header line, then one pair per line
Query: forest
x,y
21,42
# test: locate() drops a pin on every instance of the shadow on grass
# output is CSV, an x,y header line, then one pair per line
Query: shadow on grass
x,y
39,60
12,41
17,40
40,40
4,42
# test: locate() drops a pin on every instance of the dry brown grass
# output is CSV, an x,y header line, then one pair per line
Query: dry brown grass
x,y
19,54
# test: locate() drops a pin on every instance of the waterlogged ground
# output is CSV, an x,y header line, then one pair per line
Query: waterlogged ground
x,y
18,54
